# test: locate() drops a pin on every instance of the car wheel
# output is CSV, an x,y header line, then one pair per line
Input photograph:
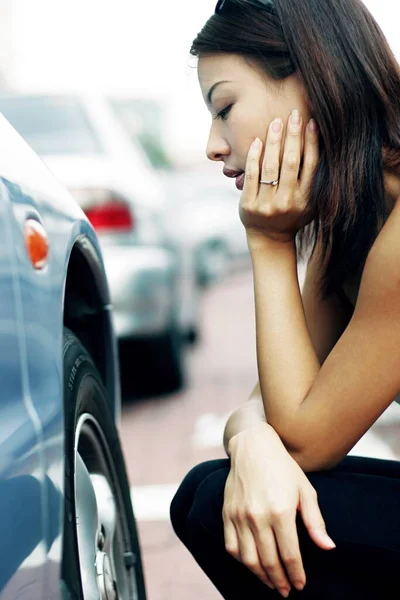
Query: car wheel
x,y
192,336
168,361
152,366
101,552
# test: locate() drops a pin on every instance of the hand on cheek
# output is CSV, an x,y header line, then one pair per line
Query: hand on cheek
x,y
276,190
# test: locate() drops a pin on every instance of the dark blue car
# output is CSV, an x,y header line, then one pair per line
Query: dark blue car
x,y
67,528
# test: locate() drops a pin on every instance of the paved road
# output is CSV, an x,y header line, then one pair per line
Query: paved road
x,y
164,437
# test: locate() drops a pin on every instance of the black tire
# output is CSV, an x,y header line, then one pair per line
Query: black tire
x,y
153,365
84,394
167,361
192,336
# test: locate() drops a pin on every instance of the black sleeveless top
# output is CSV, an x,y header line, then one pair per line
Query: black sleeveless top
x,y
343,297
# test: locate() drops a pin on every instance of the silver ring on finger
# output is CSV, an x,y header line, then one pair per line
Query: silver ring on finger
x,y
270,182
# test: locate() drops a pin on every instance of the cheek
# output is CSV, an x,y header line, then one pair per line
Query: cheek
x,y
259,117
243,129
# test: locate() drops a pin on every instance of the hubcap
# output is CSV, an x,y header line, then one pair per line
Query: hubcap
x,y
102,533
105,579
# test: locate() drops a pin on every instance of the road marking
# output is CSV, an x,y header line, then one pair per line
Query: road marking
x,y
152,502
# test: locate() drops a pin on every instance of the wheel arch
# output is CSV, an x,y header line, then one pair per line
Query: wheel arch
x,y
87,312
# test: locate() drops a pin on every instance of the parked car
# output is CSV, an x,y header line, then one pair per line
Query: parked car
x,y
67,527
205,205
129,113
83,145
202,219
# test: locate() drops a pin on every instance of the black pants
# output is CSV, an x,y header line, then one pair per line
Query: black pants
x,y
360,502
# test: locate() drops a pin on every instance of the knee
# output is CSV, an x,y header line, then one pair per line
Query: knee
x,y
180,507
182,502
206,511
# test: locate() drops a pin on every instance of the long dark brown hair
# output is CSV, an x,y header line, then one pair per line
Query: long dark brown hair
x,y
352,81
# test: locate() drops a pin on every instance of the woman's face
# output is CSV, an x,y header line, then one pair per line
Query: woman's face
x,y
243,101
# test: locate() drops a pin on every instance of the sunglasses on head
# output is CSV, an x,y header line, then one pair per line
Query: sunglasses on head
x,y
267,5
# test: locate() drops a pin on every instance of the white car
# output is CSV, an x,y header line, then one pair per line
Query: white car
x,y
202,219
85,148
205,206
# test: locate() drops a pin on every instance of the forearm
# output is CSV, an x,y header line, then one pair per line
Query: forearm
x,y
286,359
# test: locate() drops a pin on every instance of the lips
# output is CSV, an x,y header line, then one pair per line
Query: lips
x,y
231,173
240,181
238,175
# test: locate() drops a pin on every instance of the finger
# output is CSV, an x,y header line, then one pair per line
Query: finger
x,y
249,555
288,181
271,163
252,172
269,558
310,158
231,539
287,540
313,519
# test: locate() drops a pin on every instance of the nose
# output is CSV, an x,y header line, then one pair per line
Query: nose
x,y
217,146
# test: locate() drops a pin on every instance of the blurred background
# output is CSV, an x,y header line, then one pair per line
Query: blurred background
x,y
107,94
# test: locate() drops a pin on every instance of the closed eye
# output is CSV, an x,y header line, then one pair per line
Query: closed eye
x,y
223,114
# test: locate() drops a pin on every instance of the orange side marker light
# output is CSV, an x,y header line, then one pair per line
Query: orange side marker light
x,y
37,243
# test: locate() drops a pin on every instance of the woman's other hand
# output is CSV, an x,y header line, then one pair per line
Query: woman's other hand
x,y
279,211
264,490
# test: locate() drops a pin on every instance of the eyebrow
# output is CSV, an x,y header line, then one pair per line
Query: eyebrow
x,y
213,88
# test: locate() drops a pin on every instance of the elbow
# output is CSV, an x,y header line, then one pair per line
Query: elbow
x,y
312,463
315,459
308,445
311,453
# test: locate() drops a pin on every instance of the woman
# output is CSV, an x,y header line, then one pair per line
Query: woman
x,y
305,100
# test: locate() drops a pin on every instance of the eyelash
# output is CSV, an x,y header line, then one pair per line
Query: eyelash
x,y
223,114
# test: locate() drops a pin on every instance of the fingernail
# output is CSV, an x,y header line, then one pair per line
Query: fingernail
x,y
277,125
330,542
295,118
257,144
270,585
299,585
285,592
312,125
